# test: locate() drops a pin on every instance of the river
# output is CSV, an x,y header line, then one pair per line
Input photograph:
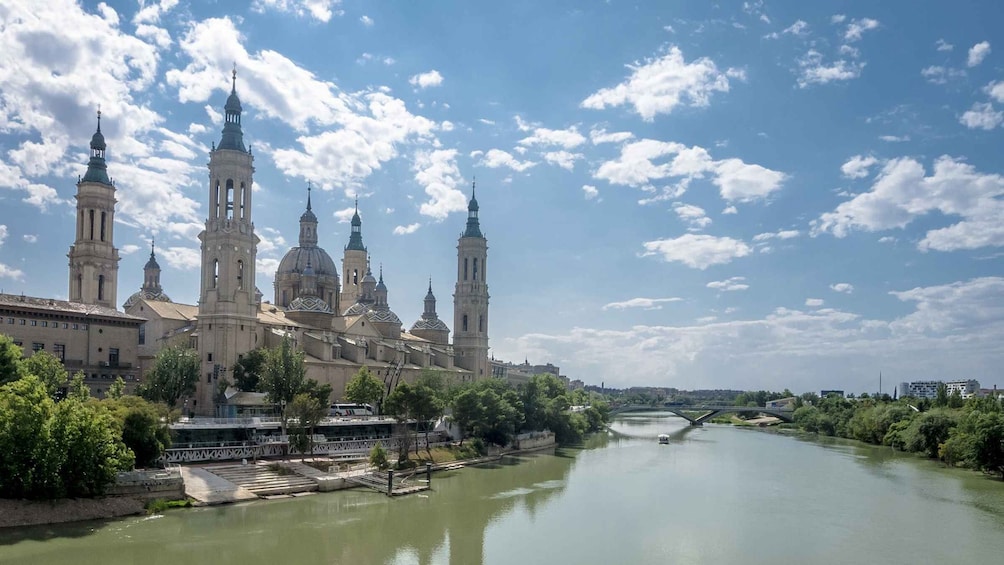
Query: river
x,y
714,495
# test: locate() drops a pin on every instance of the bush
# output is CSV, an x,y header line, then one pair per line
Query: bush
x,y
378,457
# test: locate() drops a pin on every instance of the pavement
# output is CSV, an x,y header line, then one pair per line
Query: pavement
x,y
209,489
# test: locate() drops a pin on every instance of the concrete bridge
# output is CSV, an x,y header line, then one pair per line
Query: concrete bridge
x,y
697,415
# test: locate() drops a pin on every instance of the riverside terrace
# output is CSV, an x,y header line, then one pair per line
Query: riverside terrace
x,y
233,439
697,415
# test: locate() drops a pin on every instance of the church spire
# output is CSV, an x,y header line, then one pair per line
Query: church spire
x,y
308,225
97,169
233,136
473,226
356,237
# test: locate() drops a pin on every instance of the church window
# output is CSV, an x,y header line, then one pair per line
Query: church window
x,y
465,268
244,198
216,272
481,323
142,334
90,214
355,277
80,287
101,287
285,298
102,226
475,272
240,274
81,232
230,199
59,350
465,322
216,200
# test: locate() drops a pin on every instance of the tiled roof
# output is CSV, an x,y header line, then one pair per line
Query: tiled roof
x,y
63,307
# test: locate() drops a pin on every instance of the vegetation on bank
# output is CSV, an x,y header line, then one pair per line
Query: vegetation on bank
x,y
962,433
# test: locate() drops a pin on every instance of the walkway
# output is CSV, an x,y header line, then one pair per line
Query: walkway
x,y
208,489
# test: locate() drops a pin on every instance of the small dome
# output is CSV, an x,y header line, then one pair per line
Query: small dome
x,y
473,206
356,220
233,105
145,294
434,324
296,260
369,278
357,309
308,216
308,304
152,263
383,315
98,139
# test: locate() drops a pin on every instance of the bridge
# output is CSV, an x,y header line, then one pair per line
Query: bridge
x,y
697,415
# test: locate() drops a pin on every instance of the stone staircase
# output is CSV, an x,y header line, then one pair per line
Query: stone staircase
x,y
263,481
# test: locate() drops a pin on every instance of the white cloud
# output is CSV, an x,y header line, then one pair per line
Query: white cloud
x,y
426,80
981,116
814,302
563,159
697,251
812,70
941,75
977,53
782,235
590,191
693,215
270,241
903,192
996,91
646,303
857,167
128,249
943,45
857,27
486,121
437,172
30,238
894,138
8,272
598,136
845,288
3,234
184,258
659,85
567,138
730,210
837,18
736,180
344,215
731,284
320,10
366,21
496,158
799,29
405,230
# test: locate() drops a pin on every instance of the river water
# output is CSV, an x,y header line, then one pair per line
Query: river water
x,y
714,495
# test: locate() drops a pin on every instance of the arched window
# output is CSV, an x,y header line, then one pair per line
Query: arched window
x,y
230,199
216,272
102,226
244,198
481,323
81,234
355,277
465,322
240,274
90,213
475,272
465,268
101,287
216,200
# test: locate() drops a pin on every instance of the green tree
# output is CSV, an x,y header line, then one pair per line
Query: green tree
x,y
931,429
378,457
988,442
426,407
29,466
117,388
48,368
248,370
307,411
322,392
399,404
11,368
466,411
173,375
91,450
77,389
364,388
941,398
283,376
145,436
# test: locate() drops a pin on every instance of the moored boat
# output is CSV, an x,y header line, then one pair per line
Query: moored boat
x,y
663,439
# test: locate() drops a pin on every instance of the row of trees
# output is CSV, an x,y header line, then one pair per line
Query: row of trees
x,y
56,441
967,433
489,410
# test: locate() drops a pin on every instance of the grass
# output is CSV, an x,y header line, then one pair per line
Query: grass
x,y
159,505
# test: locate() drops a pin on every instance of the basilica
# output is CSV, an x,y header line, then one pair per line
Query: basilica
x,y
342,321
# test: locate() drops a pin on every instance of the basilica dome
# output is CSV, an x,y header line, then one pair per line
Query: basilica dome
x,y
296,260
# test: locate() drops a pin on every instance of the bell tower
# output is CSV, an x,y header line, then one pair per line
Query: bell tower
x,y
470,298
355,262
228,305
94,260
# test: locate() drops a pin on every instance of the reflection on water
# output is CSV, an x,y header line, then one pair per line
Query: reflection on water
x,y
715,494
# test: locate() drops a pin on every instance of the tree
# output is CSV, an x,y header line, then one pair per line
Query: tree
x,y
941,398
248,370
364,388
117,388
282,378
29,466
378,457
321,392
77,389
988,442
48,368
399,404
11,368
142,428
91,450
931,429
307,411
173,375
426,407
466,411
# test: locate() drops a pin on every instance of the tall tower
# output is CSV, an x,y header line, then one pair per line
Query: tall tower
x,y
228,306
354,262
94,261
470,299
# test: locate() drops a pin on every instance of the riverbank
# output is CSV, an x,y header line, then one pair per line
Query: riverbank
x,y
16,513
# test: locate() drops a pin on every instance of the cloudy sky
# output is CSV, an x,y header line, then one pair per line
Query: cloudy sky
x,y
743,194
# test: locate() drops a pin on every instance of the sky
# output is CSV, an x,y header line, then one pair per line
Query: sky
x,y
747,195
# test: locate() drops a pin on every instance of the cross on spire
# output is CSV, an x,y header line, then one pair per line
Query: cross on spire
x,y
233,88
308,195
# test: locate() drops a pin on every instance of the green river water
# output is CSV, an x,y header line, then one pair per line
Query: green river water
x,y
715,495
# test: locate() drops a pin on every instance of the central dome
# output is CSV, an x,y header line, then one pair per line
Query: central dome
x,y
295,262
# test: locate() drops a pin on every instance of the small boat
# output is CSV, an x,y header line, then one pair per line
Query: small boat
x,y
663,439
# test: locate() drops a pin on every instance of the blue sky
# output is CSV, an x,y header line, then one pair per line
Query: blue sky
x,y
743,194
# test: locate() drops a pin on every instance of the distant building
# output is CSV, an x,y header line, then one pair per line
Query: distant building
x,y
825,393
782,403
966,388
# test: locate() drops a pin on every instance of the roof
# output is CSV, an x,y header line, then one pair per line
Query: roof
x,y
64,307
172,310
